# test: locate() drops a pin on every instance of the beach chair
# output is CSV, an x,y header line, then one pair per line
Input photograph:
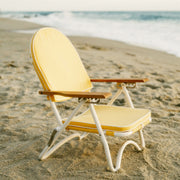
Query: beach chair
x,y
63,77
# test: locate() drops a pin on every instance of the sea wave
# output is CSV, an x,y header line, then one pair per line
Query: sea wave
x,y
157,30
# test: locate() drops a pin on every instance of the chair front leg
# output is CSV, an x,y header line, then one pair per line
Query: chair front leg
x,y
49,149
106,146
58,117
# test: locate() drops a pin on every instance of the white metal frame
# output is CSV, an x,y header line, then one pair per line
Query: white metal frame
x,y
49,149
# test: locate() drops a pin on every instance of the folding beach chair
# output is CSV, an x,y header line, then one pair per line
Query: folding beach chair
x,y
63,77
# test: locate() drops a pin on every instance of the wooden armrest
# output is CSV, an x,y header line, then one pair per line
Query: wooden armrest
x,y
78,94
121,80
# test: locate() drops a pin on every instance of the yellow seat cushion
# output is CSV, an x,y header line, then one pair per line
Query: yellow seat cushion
x,y
112,118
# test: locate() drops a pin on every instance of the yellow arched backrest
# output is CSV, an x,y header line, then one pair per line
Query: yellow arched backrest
x,y
57,63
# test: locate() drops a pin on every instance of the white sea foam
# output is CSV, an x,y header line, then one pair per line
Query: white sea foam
x,y
157,30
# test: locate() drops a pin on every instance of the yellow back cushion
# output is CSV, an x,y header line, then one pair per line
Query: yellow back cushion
x,y
57,63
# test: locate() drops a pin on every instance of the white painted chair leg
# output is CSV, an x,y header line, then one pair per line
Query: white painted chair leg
x,y
41,156
119,156
83,136
106,146
127,96
115,97
142,139
58,117
48,150
121,150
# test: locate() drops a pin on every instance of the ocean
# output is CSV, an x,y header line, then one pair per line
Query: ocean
x,y
156,30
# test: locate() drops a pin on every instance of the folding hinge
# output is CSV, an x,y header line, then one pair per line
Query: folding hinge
x,y
90,100
127,85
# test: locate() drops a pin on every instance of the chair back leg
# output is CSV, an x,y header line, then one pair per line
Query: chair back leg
x,y
128,98
115,96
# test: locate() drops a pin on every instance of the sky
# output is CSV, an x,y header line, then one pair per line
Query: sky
x,y
80,5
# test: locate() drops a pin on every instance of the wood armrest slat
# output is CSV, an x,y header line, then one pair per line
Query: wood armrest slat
x,y
78,94
121,80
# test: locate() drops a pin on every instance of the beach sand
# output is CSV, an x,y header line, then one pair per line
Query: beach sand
x,y
26,119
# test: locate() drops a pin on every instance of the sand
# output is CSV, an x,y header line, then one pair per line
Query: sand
x,y
26,119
